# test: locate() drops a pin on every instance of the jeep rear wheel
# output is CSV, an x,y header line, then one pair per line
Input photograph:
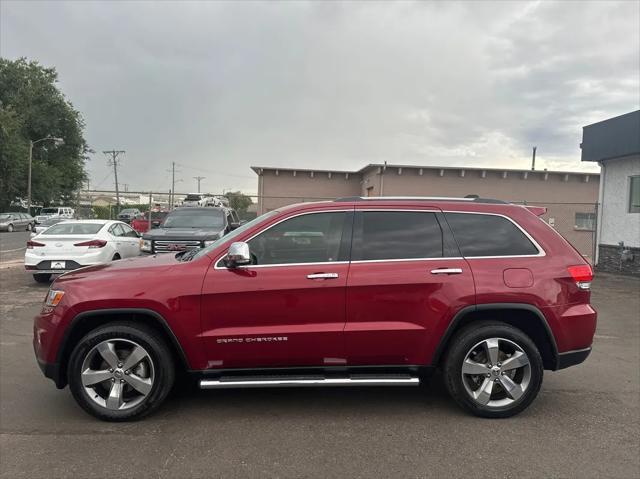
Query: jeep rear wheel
x,y
493,370
121,371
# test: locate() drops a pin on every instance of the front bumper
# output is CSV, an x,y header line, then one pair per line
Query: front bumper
x,y
52,371
44,347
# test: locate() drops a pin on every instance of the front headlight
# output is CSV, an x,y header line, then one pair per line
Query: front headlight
x,y
53,298
145,245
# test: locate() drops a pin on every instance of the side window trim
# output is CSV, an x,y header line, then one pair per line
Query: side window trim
x,y
541,251
220,265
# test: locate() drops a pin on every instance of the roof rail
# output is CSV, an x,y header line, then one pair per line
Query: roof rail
x,y
469,198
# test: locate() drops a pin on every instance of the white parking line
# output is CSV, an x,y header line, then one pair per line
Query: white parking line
x,y
13,250
11,264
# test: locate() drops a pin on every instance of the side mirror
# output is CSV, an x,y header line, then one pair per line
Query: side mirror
x,y
238,255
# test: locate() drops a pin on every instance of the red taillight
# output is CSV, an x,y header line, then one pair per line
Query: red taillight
x,y
582,275
33,244
93,244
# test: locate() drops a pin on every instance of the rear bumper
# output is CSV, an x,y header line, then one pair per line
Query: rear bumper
x,y
571,358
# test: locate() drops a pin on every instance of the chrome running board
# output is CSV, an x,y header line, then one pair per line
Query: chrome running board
x,y
239,382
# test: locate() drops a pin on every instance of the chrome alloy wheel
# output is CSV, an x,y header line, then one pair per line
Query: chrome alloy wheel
x,y
117,374
496,372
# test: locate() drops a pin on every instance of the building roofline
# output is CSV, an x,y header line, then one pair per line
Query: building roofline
x,y
630,114
257,169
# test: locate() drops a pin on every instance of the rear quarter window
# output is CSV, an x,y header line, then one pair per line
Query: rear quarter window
x,y
489,235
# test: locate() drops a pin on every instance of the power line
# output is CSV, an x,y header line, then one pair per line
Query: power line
x,y
217,173
113,161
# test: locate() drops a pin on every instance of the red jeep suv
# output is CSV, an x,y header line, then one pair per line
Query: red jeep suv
x,y
351,292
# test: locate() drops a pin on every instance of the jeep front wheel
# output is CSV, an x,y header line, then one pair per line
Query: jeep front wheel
x,y
493,370
121,371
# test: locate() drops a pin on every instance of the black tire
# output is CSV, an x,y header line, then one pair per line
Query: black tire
x,y
116,257
10,229
464,341
159,353
42,277
29,226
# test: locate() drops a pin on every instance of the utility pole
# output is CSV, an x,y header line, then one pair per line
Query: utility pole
x,y
113,161
172,193
173,183
533,159
198,179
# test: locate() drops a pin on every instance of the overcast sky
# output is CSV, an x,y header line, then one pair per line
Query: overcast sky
x,y
218,87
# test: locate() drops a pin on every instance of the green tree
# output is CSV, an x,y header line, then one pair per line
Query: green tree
x,y
33,107
238,201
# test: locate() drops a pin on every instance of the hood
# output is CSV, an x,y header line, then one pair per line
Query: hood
x,y
117,270
200,234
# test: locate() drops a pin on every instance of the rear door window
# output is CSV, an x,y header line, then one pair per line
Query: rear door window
x,y
396,235
128,231
489,235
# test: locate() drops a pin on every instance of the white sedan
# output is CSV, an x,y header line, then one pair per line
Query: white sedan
x,y
73,244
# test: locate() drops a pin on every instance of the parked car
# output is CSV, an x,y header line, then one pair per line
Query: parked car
x,y
129,214
141,222
55,212
73,244
16,221
39,228
189,228
202,200
354,292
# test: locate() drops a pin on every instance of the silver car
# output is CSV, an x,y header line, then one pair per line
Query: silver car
x,y
40,227
16,221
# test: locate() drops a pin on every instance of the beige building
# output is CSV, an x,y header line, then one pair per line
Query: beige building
x,y
570,197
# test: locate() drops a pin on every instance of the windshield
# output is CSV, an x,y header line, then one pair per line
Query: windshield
x,y
235,233
49,211
192,198
127,211
74,229
5,216
195,219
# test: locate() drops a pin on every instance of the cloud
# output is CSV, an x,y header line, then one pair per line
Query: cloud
x,y
217,87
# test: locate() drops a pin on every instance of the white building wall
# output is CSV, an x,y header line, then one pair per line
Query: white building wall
x,y
617,224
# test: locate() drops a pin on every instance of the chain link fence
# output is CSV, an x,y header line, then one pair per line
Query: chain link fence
x,y
577,222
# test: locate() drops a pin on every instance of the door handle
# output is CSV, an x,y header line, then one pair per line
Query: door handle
x,y
322,276
447,271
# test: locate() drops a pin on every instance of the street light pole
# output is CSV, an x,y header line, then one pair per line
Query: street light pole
x,y
56,141
29,178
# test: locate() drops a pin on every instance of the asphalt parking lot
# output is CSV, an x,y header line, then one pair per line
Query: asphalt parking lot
x,y
585,422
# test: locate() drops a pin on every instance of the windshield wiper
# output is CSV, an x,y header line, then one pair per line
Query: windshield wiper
x,y
187,255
